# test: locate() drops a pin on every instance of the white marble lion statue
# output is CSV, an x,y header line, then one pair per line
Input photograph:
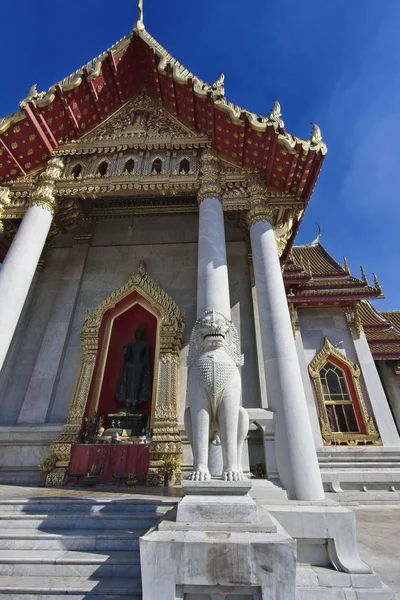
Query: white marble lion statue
x,y
214,413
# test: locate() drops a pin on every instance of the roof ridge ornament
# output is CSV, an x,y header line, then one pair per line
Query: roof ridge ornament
x,y
140,22
363,276
317,144
376,283
346,266
32,95
315,241
274,116
218,89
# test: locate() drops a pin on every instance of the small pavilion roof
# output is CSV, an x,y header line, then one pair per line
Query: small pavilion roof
x,y
382,331
81,101
313,276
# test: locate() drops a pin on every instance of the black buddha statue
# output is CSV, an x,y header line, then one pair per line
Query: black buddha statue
x,y
134,386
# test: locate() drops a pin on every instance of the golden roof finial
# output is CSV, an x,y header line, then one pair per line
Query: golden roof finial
x,y
140,23
363,276
345,265
376,283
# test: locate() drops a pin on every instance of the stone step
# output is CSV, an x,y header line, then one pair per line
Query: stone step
x,y
53,586
84,506
23,563
66,557
70,539
51,596
91,521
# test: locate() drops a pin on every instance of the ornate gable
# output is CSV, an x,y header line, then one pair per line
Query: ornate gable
x,y
140,119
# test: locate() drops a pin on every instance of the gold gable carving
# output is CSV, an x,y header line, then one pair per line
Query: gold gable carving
x,y
140,118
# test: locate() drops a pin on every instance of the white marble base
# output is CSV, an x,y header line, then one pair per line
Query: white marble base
x,y
217,509
217,548
250,566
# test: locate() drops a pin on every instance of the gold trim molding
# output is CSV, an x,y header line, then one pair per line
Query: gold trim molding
x,y
170,335
334,437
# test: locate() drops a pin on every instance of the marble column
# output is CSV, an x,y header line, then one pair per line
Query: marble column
x,y
24,253
295,450
212,278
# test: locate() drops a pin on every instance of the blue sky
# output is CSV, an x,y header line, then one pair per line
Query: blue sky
x,y
333,62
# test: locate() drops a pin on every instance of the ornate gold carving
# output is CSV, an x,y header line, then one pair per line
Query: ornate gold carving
x,y
210,186
259,209
4,201
44,195
283,231
353,318
334,437
171,333
33,95
157,123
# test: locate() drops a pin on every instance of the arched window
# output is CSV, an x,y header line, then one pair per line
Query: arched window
x,y
184,166
343,414
76,171
102,168
129,166
156,167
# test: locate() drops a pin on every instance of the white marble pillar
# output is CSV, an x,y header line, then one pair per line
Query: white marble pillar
x,y
295,450
212,277
24,253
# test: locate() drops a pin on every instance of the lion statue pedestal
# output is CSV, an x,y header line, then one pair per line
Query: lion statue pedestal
x,y
217,547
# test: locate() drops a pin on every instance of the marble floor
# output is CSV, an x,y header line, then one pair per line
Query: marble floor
x,y
378,526
378,534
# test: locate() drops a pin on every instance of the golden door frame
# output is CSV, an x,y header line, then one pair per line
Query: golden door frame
x,y
336,437
164,418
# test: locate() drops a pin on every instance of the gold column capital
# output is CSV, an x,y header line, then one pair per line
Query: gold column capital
x,y
44,195
4,200
210,186
259,209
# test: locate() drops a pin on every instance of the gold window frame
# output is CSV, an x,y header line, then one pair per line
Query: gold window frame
x,y
337,437
164,417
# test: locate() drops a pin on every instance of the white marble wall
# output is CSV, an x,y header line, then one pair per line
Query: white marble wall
x,y
168,245
22,357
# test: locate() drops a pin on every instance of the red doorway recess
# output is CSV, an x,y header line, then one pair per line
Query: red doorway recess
x,y
117,329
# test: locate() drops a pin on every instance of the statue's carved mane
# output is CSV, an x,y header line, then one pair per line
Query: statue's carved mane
x,y
230,343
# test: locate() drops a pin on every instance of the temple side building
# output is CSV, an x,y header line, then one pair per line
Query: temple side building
x,y
102,183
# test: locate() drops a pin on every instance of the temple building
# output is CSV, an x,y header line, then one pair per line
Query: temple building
x,y
129,191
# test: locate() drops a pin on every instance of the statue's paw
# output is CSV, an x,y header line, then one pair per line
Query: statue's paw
x,y
200,475
232,475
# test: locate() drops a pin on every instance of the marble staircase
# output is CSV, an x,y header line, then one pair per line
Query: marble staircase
x,y
75,549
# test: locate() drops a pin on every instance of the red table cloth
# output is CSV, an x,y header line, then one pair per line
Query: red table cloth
x,y
115,461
